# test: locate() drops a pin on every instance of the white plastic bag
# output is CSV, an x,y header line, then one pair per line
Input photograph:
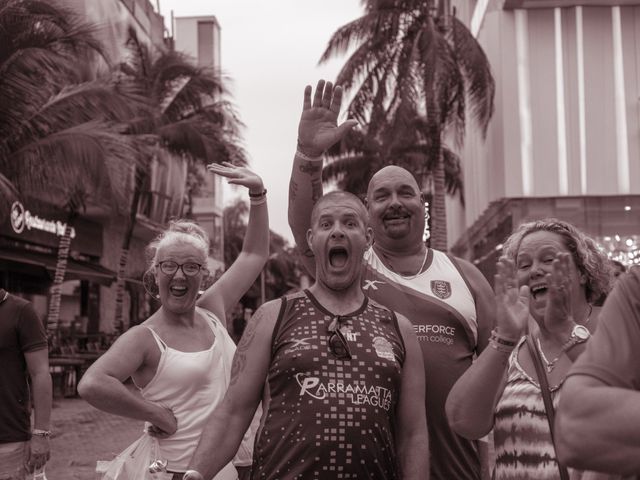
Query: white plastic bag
x,y
133,462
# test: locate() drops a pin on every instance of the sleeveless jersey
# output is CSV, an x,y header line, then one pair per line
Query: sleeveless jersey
x,y
324,417
440,305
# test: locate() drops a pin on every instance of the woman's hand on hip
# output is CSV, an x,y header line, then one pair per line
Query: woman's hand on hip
x,y
164,424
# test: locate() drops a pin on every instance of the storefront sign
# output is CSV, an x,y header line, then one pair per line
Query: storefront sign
x,y
21,219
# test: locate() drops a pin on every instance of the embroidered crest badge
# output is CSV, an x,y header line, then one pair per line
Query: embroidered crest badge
x,y
441,288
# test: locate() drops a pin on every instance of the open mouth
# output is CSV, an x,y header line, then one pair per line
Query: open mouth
x,y
338,257
178,290
538,291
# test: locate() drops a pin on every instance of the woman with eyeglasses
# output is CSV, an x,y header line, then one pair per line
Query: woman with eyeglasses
x,y
180,357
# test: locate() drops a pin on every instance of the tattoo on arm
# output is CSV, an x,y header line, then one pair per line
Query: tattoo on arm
x,y
293,191
310,168
316,189
240,358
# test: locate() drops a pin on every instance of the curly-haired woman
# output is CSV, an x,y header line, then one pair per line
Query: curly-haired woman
x,y
546,282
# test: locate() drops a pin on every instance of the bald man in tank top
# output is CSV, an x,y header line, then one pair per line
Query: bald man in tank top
x,y
340,377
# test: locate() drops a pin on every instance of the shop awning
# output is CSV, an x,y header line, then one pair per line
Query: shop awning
x,y
76,269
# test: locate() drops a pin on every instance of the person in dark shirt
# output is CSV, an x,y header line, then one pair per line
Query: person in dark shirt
x,y
599,412
23,355
341,377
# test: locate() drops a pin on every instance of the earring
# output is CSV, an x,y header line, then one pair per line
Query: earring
x,y
150,285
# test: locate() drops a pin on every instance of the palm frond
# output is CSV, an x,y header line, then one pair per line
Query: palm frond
x,y
89,153
477,72
100,99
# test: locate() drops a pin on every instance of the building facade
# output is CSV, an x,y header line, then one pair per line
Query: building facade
x,y
30,237
564,140
199,38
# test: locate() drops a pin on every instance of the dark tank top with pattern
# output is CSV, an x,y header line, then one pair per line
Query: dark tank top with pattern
x,y
328,417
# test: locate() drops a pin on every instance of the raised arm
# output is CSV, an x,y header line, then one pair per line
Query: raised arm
x,y
412,438
317,131
227,291
471,402
226,426
102,385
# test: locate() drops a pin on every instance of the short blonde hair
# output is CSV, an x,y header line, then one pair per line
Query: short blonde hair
x,y
589,259
180,231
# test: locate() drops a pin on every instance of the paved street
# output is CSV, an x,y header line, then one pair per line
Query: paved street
x,y
82,435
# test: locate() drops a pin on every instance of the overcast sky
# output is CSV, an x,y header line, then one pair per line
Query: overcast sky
x,y
270,49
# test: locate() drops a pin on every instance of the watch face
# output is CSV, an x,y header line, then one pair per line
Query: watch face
x,y
581,332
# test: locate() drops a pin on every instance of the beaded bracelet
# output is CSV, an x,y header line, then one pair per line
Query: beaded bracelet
x,y
496,337
500,347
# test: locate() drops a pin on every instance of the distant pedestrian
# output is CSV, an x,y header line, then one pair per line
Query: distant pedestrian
x,y
618,268
340,376
23,355
180,358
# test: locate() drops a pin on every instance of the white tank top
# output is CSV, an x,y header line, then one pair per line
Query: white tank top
x,y
192,385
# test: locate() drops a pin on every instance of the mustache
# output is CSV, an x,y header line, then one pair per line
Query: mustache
x,y
396,210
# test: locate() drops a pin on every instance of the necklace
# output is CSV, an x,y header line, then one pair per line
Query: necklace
x,y
409,277
551,364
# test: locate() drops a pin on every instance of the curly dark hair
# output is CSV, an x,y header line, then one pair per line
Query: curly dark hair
x,y
590,260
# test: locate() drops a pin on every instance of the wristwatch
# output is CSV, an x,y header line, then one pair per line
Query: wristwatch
x,y
41,433
579,334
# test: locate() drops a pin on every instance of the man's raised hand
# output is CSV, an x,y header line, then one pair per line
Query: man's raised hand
x,y
318,128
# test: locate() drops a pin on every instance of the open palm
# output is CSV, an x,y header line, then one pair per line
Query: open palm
x,y
318,128
237,175
512,304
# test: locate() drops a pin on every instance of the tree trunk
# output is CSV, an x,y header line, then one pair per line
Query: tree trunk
x,y
438,209
118,321
64,247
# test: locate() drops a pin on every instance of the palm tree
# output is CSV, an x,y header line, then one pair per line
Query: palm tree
x,y
60,133
407,147
415,53
187,117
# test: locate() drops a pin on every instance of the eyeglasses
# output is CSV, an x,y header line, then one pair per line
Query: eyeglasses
x,y
337,343
169,267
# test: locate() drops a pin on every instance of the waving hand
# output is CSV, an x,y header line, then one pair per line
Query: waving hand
x,y
318,128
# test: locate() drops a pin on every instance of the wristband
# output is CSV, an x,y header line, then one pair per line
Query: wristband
x,y
41,433
500,347
306,157
258,201
258,195
509,342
